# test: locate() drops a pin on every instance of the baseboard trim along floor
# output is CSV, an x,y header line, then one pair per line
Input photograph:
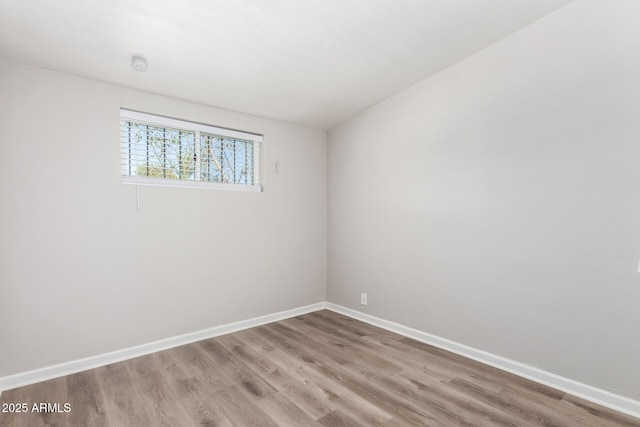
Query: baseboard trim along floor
x,y
587,392
593,394
79,365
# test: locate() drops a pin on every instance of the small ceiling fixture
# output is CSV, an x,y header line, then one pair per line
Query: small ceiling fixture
x,y
138,63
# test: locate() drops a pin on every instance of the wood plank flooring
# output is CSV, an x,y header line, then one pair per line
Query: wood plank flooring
x,y
319,369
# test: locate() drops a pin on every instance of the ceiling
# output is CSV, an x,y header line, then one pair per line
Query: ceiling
x,y
309,62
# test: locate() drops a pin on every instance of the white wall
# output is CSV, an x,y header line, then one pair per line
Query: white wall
x,y
497,203
82,272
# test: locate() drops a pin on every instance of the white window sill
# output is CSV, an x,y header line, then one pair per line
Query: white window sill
x,y
161,182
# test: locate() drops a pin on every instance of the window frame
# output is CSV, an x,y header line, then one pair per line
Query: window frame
x,y
196,128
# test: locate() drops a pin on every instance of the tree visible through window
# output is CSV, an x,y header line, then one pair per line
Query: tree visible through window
x,y
226,160
152,150
159,152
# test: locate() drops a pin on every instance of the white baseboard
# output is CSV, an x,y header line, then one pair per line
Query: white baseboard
x,y
587,392
593,394
79,365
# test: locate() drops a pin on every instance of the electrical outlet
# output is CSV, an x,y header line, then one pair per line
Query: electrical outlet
x,y
363,298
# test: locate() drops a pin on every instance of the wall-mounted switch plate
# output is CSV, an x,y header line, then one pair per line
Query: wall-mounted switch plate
x,y
363,298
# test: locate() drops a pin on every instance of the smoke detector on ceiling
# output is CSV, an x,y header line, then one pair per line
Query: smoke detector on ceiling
x,y
138,63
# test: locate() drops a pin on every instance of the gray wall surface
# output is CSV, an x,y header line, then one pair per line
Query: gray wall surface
x,y
83,272
497,203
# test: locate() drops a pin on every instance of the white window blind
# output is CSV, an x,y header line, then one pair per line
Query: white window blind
x,y
160,151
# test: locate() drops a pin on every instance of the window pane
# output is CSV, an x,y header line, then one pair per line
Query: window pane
x,y
171,149
158,152
226,160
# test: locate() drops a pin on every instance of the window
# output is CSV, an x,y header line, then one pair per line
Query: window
x,y
160,151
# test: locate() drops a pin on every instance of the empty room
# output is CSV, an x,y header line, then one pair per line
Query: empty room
x,y
319,213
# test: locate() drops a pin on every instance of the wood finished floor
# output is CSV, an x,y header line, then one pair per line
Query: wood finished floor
x,y
319,369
